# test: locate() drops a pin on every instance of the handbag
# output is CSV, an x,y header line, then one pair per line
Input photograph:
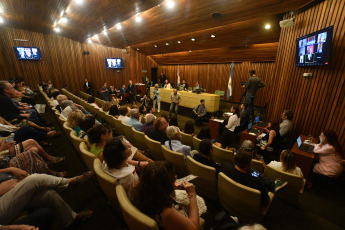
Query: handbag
x,y
6,176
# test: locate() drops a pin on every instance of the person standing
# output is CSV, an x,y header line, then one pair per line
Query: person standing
x,y
175,99
88,87
105,92
131,91
162,79
253,84
200,113
156,98
244,117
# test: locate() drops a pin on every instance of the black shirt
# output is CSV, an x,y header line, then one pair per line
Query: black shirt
x,y
203,160
158,135
246,179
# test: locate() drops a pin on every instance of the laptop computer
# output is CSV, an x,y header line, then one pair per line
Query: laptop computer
x,y
303,147
259,123
251,130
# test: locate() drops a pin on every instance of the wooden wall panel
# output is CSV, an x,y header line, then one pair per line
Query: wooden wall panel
x,y
216,76
318,102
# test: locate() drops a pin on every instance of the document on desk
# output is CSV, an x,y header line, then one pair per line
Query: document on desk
x,y
218,120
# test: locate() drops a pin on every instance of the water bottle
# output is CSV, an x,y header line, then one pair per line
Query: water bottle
x,y
10,138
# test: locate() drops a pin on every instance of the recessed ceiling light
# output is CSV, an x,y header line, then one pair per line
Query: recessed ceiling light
x,y
1,20
105,33
159,5
63,20
155,45
137,48
68,10
267,26
1,10
193,39
55,24
138,18
57,30
178,42
167,44
118,26
190,51
62,12
89,40
79,2
95,36
170,4
213,36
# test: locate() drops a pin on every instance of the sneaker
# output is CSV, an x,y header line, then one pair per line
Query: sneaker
x,y
279,184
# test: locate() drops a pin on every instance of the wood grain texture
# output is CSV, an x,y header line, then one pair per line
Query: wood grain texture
x,y
318,102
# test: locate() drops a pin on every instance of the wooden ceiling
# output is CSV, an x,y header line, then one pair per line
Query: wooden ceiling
x,y
241,25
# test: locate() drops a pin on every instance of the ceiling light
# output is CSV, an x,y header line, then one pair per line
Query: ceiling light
x,y
170,4
178,42
79,2
57,30
1,11
193,39
68,10
267,26
137,48
155,45
138,18
89,40
105,33
62,12
1,20
63,20
118,26
159,5
95,36
167,44
55,24
190,51
213,36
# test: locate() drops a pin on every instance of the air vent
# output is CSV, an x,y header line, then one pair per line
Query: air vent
x,y
217,16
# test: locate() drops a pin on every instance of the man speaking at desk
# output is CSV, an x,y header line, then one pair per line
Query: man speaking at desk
x,y
175,99
253,84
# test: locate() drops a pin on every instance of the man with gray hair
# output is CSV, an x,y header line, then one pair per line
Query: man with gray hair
x,y
60,98
174,143
148,126
134,120
67,107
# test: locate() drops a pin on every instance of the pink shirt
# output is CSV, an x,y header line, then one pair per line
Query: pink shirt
x,y
330,163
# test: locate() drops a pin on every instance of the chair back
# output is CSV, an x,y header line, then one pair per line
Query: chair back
x,y
206,183
196,143
221,155
294,187
119,126
177,159
239,200
258,165
107,183
87,156
140,139
62,120
76,140
129,134
66,128
57,114
133,217
154,148
187,139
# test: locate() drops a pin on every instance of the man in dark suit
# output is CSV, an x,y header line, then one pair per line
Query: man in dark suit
x,y
162,79
88,87
244,118
131,91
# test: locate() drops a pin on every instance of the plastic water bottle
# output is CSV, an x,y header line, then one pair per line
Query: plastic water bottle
x,y
10,138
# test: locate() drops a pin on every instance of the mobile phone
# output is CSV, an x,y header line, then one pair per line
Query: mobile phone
x,y
255,174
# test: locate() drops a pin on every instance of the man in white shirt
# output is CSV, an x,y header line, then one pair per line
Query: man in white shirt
x,y
286,125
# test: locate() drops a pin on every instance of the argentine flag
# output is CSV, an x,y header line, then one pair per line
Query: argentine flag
x,y
230,81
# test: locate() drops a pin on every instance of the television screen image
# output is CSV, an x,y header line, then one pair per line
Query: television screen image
x,y
28,53
315,48
114,63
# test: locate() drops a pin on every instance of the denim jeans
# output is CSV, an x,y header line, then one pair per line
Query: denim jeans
x,y
172,105
250,101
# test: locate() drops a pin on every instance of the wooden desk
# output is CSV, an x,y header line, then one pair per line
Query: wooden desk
x,y
304,160
214,128
190,100
140,89
245,135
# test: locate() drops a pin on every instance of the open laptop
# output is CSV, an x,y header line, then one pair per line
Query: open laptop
x,y
304,147
259,123
251,130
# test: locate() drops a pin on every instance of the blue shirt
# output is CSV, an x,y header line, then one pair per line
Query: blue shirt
x,y
134,123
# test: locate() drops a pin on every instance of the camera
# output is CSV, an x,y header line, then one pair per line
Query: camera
x,y
243,83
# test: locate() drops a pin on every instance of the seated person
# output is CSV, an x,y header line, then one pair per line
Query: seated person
x,y
174,143
200,113
73,120
124,111
116,163
98,137
60,98
92,101
189,128
148,126
270,142
167,84
115,100
287,163
106,107
285,128
204,133
38,191
240,173
135,119
86,124
156,183
145,101
142,109
244,117
205,154
67,107
173,121
158,133
234,120
54,98
330,155
184,85
114,111
197,87
226,141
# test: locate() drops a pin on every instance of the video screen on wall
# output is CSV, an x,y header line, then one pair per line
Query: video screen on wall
x,y
28,53
315,48
114,63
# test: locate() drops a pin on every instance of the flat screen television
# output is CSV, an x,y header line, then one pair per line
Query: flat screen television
x,y
28,53
314,49
114,63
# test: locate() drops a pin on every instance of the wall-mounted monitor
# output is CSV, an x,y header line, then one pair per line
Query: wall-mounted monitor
x,y
27,53
114,63
315,48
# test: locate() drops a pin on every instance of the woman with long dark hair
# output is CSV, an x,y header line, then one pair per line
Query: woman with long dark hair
x,y
189,127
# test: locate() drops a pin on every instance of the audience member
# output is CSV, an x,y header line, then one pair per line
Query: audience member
x,y
74,119
92,101
234,120
134,120
98,137
200,113
287,163
174,143
189,128
270,142
173,121
106,107
158,133
226,140
148,126
286,126
155,194
114,111
204,133
60,98
205,154
67,107
124,111
244,117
